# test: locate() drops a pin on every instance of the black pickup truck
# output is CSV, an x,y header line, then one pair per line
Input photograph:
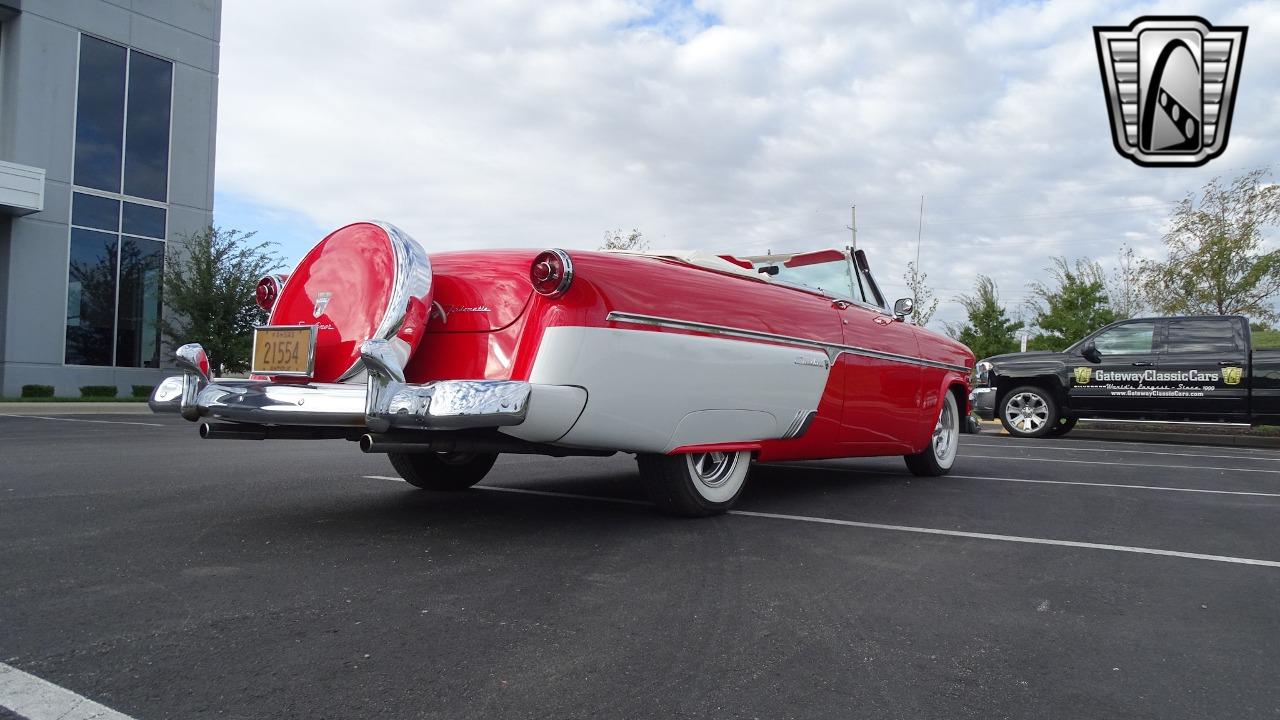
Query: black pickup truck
x,y
1182,369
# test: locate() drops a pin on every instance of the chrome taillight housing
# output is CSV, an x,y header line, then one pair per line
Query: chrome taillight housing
x,y
268,290
551,272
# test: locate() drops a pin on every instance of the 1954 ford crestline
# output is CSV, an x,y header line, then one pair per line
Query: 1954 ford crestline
x,y
699,364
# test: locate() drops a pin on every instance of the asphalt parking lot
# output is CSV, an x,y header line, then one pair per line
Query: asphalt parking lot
x,y
166,576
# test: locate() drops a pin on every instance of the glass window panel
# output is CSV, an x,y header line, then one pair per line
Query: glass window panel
x,y
830,277
1126,339
138,320
95,212
146,162
1202,336
99,114
143,220
91,297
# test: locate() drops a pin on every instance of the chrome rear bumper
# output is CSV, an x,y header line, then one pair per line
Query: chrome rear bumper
x,y
386,401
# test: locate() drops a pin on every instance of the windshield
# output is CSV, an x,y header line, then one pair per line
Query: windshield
x,y
831,278
826,271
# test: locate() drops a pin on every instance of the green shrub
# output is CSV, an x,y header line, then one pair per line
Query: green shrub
x,y
1266,340
37,391
142,391
98,391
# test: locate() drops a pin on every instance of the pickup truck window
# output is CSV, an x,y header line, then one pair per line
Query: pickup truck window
x,y
1132,338
1202,335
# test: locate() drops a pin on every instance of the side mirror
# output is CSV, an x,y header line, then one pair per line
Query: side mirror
x,y
903,307
1090,352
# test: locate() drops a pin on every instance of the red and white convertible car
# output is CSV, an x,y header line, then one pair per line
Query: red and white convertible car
x,y
699,364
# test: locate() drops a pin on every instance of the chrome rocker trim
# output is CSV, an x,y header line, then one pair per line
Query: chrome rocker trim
x,y
384,402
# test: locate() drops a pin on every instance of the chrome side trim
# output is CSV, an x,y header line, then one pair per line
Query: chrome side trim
x,y
800,425
833,351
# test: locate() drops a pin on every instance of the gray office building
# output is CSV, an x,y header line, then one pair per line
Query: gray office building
x,y
108,111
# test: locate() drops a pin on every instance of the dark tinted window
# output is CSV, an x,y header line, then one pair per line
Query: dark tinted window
x,y
95,212
146,162
1207,335
99,114
143,220
1126,339
138,322
91,297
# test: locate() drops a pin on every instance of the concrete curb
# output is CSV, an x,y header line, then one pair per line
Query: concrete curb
x,y
74,408
1179,438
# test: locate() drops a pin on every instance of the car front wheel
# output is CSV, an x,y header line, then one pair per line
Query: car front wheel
x,y
695,484
442,471
938,458
1028,412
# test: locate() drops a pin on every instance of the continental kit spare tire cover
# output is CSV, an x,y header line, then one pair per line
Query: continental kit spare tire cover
x,y
368,280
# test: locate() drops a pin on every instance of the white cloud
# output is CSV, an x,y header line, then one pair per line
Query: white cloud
x,y
735,126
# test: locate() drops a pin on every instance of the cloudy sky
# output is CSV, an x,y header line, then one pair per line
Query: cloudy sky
x,y
736,126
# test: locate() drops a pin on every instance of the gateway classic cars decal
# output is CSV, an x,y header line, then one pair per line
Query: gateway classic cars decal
x,y
1156,383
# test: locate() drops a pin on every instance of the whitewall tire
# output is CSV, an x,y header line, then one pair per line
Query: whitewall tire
x,y
695,484
940,455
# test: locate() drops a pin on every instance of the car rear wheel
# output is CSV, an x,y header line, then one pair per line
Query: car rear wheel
x,y
1028,412
442,471
695,484
938,458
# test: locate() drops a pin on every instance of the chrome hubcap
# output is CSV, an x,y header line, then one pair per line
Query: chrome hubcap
x,y
712,469
1026,411
944,433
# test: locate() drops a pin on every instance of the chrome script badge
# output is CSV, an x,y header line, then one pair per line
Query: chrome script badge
x,y
1170,84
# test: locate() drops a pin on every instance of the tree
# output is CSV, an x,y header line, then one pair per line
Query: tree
x,y
1073,305
1124,286
614,240
209,294
988,331
925,304
1216,265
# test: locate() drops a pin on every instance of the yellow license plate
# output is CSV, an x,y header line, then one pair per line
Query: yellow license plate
x,y
287,350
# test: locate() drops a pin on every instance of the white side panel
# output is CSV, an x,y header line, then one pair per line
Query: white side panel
x,y
552,411
641,386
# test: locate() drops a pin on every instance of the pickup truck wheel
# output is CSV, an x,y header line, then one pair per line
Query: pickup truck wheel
x,y
695,484
442,471
938,458
1028,412
1063,427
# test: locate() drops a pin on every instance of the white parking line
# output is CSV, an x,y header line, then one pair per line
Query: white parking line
x,y
1012,538
36,699
1006,441
1113,485
1258,458
1127,464
105,422
904,528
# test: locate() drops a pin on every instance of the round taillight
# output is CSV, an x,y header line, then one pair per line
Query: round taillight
x,y
268,290
551,273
